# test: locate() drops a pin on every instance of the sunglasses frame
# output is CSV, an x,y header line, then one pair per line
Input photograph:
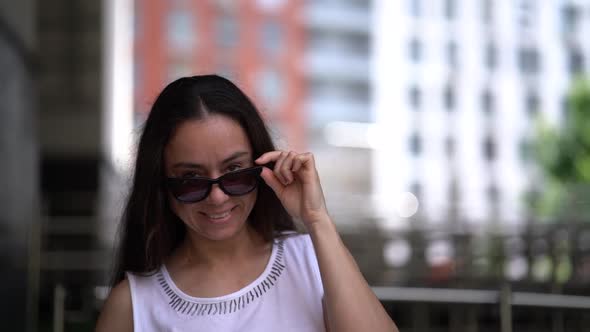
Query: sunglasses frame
x,y
172,182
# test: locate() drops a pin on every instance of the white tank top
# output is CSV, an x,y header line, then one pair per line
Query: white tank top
x,y
287,296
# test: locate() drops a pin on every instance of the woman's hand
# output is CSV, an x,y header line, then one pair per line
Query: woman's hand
x,y
349,303
296,183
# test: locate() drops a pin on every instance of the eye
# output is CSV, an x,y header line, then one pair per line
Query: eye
x,y
234,167
189,174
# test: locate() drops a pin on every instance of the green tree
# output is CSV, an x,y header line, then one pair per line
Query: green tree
x,y
563,153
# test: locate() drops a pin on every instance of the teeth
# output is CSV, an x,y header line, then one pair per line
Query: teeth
x,y
219,216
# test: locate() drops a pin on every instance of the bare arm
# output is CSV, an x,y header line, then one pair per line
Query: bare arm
x,y
117,312
349,302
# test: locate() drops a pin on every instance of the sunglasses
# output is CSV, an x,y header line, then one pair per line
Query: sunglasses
x,y
195,189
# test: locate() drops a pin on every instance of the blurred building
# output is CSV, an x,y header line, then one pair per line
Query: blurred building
x,y
439,100
19,179
337,71
336,61
257,44
459,86
50,56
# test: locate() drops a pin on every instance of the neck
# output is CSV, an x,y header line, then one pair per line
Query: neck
x,y
202,251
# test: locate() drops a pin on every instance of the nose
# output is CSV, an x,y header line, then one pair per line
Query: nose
x,y
216,196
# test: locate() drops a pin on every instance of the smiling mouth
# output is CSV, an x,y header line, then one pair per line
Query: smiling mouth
x,y
218,216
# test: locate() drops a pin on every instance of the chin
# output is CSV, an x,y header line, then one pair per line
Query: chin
x,y
220,231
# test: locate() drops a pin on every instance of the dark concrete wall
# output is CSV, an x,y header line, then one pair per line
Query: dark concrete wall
x,y
50,127
19,204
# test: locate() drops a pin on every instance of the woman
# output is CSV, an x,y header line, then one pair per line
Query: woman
x,y
208,241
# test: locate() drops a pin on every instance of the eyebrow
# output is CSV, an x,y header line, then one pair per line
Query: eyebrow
x,y
234,156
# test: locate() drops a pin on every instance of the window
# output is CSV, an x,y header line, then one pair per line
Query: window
x,y
225,5
416,189
227,69
532,103
272,37
491,56
454,190
415,144
177,70
180,30
525,150
450,147
570,17
450,9
415,96
489,148
487,102
528,60
487,9
359,91
526,11
493,194
415,8
449,98
452,54
576,62
329,42
415,50
270,87
227,30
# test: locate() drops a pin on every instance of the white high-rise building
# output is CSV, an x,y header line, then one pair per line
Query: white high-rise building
x,y
336,60
338,89
458,86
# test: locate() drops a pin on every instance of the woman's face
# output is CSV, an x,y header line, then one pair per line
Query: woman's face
x,y
210,147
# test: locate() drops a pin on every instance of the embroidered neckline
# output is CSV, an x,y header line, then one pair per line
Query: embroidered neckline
x,y
187,305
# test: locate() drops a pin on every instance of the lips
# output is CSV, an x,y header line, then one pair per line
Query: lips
x,y
218,216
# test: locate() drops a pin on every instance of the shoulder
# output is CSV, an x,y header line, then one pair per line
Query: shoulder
x,y
295,240
300,256
117,311
297,244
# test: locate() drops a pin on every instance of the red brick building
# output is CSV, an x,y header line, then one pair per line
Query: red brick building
x,y
257,44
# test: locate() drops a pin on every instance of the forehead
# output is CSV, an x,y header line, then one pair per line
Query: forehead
x,y
207,141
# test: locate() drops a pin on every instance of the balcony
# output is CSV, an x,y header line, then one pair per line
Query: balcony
x,y
336,17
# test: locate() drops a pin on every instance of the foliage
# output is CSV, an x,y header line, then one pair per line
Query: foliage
x,y
563,152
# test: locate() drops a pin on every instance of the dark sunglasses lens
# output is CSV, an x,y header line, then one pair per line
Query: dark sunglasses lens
x,y
240,183
192,190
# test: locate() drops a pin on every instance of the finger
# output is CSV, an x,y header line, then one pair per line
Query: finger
x,y
269,177
304,168
304,160
268,157
286,166
278,165
297,163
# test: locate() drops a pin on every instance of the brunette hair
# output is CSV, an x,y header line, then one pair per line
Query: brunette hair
x,y
149,231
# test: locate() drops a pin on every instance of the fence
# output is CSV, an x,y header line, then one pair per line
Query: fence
x,y
535,278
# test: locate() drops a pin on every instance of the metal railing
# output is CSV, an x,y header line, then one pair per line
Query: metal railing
x,y
504,299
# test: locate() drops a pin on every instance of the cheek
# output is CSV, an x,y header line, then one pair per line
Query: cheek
x,y
250,200
181,210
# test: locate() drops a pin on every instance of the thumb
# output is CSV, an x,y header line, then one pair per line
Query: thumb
x,y
269,177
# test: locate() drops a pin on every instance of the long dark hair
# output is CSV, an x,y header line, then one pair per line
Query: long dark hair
x,y
149,230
